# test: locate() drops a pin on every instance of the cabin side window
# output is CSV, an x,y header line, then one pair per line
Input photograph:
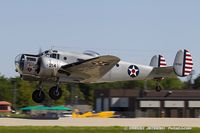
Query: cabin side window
x,y
80,60
64,58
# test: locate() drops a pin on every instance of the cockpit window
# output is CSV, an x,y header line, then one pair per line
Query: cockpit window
x,y
55,51
55,56
46,52
31,59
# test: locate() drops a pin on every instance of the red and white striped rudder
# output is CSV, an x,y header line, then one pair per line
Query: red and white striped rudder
x,y
188,64
162,61
183,63
158,61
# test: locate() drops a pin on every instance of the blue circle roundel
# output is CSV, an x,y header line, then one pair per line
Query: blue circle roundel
x,y
133,71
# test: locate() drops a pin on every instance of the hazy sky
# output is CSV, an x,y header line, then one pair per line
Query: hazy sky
x,y
134,30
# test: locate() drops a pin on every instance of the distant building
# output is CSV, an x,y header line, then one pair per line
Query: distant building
x,y
149,103
5,106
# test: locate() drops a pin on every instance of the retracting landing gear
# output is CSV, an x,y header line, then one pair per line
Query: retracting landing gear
x,y
55,92
38,95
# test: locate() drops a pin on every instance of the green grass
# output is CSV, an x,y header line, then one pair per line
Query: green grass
x,y
56,129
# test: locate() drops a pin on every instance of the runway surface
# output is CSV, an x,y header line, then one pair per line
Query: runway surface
x,y
186,122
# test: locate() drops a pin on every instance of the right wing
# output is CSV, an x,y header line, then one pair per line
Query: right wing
x,y
90,70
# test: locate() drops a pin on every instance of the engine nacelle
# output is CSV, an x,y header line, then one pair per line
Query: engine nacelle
x,y
48,67
27,64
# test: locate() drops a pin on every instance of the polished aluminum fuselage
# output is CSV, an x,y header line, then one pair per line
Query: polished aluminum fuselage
x,y
48,70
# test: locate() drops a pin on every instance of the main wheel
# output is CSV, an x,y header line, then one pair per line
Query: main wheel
x,y
158,88
38,96
55,92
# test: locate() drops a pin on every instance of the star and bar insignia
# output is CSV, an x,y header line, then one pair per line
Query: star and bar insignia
x,y
133,71
100,63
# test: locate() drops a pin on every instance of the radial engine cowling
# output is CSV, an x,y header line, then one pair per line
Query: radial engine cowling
x,y
48,67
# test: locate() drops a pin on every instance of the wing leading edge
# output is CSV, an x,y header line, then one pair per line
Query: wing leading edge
x,y
90,70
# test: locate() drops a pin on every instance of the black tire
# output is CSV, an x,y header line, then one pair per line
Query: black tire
x,y
38,96
55,93
158,88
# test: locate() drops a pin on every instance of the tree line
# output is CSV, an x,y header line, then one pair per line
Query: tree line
x,y
19,92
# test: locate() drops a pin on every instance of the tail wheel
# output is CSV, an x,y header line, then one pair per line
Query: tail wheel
x,y
55,92
38,96
158,88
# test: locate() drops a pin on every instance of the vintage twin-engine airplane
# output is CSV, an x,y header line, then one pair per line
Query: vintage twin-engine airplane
x,y
90,67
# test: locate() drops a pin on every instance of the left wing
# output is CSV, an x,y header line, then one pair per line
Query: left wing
x,y
90,70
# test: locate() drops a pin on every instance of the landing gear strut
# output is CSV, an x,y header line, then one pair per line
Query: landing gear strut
x,y
38,95
55,92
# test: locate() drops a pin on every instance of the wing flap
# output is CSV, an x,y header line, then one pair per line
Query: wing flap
x,y
90,70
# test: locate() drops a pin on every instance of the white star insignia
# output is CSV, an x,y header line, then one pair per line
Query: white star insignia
x,y
133,71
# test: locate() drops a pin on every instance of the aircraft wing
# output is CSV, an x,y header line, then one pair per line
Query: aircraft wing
x,y
90,70
159,72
